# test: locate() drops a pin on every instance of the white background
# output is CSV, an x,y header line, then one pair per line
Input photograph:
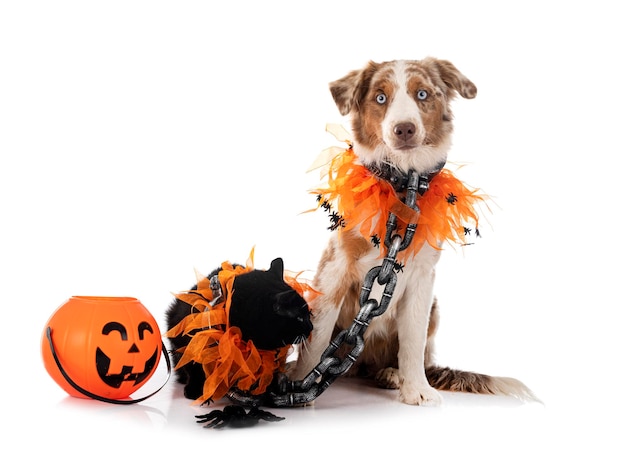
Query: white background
x,y
142,140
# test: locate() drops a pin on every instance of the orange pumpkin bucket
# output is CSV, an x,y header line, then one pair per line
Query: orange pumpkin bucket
x,y
103,348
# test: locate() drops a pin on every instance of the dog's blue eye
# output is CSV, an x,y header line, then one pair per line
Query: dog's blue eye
x,y
381,98
422,94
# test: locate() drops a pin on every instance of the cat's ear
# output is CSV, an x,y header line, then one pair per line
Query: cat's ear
x,y
277,268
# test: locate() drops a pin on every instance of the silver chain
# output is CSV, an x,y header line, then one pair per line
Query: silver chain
x,y
287,393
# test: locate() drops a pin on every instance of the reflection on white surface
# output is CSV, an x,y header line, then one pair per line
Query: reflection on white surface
x,y
350,411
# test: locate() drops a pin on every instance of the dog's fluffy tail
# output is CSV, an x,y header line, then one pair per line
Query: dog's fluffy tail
x,y
444,378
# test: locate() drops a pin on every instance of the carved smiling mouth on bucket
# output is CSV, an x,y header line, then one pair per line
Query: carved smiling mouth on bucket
x,y
103,362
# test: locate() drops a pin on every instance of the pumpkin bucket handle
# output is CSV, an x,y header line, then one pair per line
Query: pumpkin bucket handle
x,y
101,398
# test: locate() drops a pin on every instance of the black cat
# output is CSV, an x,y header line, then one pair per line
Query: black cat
x,y
266,309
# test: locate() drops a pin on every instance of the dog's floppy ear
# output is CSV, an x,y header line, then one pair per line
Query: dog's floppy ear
x,y
348,91
452,78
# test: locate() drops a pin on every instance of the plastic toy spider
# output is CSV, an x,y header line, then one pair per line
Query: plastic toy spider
x,y
336,221
323,203
236,416
398,267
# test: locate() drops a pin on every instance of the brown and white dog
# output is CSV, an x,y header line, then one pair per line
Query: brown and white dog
x,y
400,114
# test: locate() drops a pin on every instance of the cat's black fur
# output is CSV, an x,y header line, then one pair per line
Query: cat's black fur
x,y
267,310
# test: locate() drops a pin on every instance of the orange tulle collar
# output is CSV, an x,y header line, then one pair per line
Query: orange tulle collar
x,y
228,361
357,200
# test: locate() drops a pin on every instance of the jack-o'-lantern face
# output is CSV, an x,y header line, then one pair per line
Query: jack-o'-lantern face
x,y
118,355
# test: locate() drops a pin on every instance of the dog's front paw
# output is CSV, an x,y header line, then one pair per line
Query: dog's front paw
x,y
419,395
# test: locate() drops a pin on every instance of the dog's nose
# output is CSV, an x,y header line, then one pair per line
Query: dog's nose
x,y
404,130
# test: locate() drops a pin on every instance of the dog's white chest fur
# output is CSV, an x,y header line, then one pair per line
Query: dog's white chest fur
x,y
416,269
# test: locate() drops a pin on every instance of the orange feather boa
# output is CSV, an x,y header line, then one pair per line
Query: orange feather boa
x,y
228,361
365,201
